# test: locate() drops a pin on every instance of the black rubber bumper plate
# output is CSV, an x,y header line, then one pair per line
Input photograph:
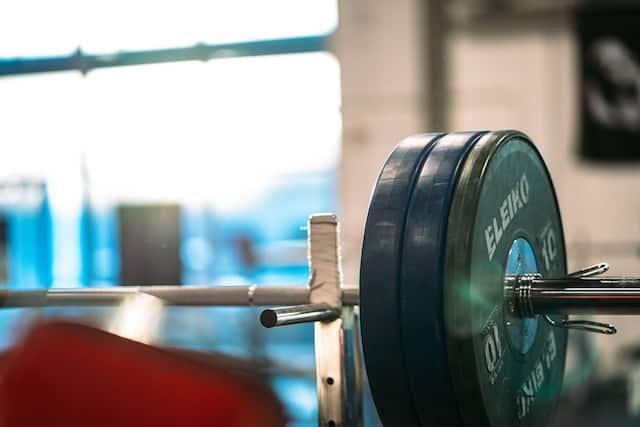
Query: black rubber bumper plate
x,y
380,272
441,348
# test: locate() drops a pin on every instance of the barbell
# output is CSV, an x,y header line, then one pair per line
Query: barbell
x,y
463,297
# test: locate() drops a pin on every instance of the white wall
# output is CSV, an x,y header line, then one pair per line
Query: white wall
x,y
379,45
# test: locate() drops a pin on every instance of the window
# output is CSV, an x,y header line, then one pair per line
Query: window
x,y
226,114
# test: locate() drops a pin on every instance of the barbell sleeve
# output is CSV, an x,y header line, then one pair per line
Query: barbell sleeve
x,y
581,295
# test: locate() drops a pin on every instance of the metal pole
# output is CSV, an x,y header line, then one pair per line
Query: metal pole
x,y
170,295
297,314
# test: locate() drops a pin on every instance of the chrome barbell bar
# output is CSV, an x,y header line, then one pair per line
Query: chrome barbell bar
x,y
529,294
173,295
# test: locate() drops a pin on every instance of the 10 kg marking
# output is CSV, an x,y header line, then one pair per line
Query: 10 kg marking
x,y
492,351
549,247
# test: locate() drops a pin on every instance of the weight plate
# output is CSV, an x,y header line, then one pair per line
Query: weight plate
x,y
504,218
379,281
421,299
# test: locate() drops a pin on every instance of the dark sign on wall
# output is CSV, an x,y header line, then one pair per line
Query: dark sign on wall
x,y
609,43
149,244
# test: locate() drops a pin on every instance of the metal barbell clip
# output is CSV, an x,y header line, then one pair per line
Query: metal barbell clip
x,y
582,325
585,325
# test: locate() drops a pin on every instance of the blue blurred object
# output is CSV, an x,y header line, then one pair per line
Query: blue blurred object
x,y
101,248
264,243
24,207
300,398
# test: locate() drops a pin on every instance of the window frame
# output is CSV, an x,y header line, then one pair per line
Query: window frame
x,y
84,63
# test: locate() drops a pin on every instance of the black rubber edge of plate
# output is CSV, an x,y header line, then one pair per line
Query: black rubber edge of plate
x,y
379,281
424,338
